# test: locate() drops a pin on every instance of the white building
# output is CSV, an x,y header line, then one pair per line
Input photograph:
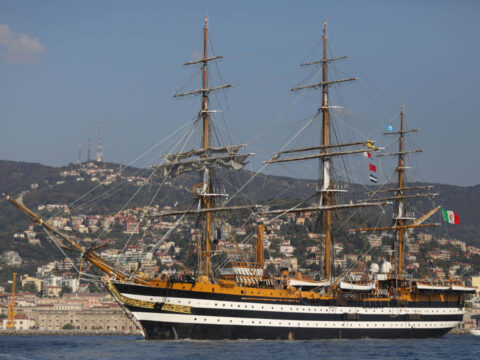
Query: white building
x,y
22,322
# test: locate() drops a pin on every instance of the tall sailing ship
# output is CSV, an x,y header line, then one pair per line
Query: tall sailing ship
x,y
241,301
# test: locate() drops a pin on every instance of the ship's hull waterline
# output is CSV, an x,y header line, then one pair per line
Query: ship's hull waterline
x,y
155,330
198,315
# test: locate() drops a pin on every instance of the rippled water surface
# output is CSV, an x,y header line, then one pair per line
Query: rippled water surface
x,y
130,347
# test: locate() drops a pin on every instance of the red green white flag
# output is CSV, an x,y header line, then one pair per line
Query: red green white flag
x,y
450,216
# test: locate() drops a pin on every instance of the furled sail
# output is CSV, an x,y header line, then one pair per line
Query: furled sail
x,y
201,159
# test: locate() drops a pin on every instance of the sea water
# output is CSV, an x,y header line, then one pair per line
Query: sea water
x,y
132,347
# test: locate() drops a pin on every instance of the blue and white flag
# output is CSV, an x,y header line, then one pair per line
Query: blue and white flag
x,y
389,128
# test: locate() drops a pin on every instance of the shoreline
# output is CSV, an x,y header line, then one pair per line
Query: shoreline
x,y
119,333
66,333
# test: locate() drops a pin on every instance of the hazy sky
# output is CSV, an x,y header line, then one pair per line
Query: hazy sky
x,y
65,65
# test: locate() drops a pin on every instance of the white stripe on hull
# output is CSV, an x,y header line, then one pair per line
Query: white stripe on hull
x,y
217,320
320,309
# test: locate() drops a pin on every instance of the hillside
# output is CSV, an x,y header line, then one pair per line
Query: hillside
x,y
42,185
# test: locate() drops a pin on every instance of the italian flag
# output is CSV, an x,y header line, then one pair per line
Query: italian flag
x,y
450,216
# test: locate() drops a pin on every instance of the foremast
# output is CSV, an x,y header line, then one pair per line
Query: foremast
x,y
204,160
205,189
207,179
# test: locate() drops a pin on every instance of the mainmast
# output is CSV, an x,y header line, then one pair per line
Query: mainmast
x,y
326,151
326,196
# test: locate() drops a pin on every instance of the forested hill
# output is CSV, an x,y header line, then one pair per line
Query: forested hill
x,y
23,177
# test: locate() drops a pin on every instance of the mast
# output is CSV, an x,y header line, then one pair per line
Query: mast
x,y
326,196
206,175
401,221
324,152
260,256
208,158
399,201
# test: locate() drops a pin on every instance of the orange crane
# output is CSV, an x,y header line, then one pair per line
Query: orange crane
x,y
11,306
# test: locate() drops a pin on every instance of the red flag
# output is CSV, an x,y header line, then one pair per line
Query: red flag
x,y
372,168
367,154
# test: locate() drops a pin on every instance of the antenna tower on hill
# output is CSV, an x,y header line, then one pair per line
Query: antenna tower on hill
x,y
89,150
99,142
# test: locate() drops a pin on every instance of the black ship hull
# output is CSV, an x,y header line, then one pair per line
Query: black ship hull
x,y
181,314
154,330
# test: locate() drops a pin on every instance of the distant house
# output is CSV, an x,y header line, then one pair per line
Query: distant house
x,y
26,279
132,226
22,322
76,222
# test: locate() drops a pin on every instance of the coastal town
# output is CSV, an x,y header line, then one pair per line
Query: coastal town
x,y
220,179
56,298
